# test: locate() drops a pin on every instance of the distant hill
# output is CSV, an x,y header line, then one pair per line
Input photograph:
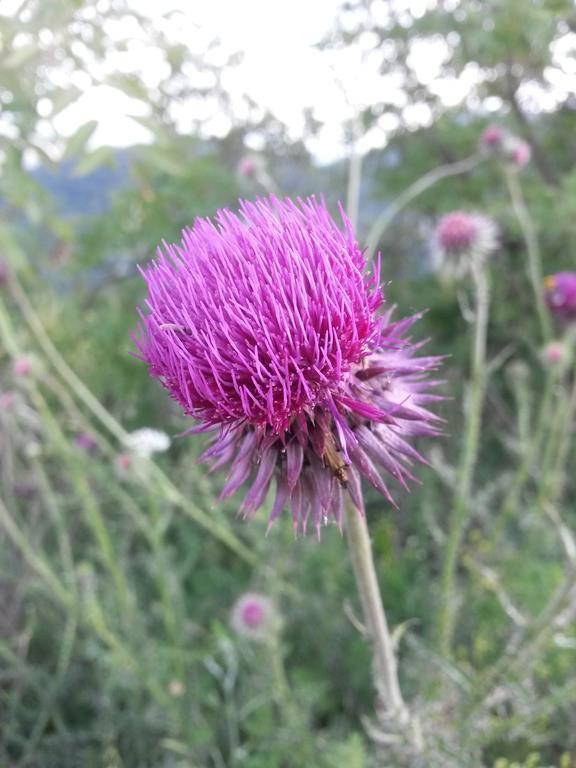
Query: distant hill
x,y
88,194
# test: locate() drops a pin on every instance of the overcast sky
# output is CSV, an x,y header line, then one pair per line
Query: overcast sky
x,y
280,69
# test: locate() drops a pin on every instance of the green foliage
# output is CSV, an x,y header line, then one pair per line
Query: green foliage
x,y
117,584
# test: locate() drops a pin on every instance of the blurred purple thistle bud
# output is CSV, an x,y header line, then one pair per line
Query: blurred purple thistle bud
x,y
247,167
461,239
253,616
560,295
85,441
518,152
492,138
555,353
124,462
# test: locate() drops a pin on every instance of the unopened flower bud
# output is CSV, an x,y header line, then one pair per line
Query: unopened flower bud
x,y
555,353
22,367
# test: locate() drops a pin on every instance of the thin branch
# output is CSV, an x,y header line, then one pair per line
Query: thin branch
x,y
416,189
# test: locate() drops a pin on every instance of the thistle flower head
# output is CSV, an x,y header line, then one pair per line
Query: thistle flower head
x,y
264,326
555,353
462,238
517,151
253,616
124,462
492,137
560,295
247,167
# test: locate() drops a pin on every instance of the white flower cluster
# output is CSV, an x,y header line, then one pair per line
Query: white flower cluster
x,y
146,442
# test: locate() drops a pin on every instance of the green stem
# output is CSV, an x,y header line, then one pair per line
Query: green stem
x,y
50,697
528,460
552,483
532,249
93,615
415,190
461,509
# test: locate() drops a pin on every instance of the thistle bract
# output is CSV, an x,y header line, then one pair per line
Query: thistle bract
x,y
265,328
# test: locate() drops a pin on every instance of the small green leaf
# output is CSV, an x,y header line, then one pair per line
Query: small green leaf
x,y
77,142
101,156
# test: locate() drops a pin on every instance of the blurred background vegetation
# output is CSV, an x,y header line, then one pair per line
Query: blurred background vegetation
x,y
117,576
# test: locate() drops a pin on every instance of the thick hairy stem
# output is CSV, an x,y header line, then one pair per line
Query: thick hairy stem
x,y
532,249
461,509
384,660
419,187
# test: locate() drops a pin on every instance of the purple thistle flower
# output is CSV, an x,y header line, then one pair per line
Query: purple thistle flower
x,y
497,141
555,353
22,367
492,137
518,151
253,616
561,295
461,238
264,326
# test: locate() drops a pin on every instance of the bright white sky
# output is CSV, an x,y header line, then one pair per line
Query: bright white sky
x,y
281,70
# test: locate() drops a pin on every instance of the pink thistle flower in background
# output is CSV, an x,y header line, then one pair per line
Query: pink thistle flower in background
x,y
560,295
247,167
518,152
265,328
462,238
555,353
253,616
22,367
457,232
4,273
498,141
492,137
